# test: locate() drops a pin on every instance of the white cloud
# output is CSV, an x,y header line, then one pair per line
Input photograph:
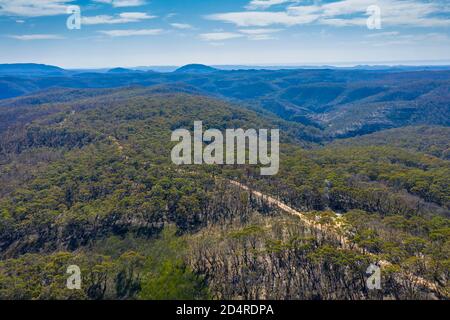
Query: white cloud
x,y
260,37
171,15
259,31
395,38
136,15
264,4
33,8
125,17
355,22
383,34
184,26
251,34
219,36
415,13
27,37
131,32
259,34
263,19
123,3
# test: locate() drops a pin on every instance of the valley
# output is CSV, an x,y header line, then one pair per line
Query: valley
x,y
343,103
86,179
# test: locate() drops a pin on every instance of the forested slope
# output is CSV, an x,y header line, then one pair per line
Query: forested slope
x,y
343,102
432,140
86,179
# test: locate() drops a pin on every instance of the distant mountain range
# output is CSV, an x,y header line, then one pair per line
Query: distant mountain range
x,y
341,102
30,69
123,70
43,69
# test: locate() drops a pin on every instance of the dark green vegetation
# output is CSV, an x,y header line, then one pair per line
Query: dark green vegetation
x,y
86,179
426,139
343,102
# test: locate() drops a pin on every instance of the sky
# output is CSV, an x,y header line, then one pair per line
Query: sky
x,y
131,33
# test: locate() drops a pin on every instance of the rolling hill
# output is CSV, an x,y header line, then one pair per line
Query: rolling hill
x,y
30,69
343,103
196,69
86,179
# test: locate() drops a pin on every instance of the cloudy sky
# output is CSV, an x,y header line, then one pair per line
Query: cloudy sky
x,y
259,32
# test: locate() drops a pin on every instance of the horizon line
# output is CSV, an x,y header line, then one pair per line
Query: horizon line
x,y
337,64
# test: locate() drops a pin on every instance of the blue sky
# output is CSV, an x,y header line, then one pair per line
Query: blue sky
x,y
254,32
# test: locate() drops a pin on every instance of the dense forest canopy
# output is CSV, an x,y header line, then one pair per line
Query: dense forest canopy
x,y
86,179
344,102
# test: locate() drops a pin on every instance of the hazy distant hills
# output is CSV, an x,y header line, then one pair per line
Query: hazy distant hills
x,y
343,102
196,68
123,70
30,69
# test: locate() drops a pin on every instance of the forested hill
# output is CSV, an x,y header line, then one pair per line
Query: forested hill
x,y
86,179
56,103
343,102
30,69
433,140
